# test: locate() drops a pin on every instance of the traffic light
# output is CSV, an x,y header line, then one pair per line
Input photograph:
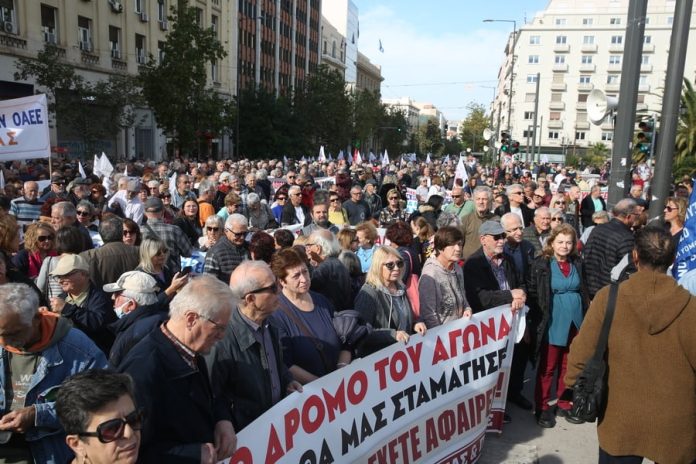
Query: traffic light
x,y
514,147
504,142
644,139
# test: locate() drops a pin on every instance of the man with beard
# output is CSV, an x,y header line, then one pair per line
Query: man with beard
x,y
320,220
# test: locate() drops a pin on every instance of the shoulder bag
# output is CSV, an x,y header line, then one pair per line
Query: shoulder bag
x,y
318,345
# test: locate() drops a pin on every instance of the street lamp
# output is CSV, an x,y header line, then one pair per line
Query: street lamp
x,y
257,65
512,66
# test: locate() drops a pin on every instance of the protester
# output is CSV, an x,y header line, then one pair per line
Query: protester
x,y
230,250
357,209
337,215
538,232
330,277
591,204
131,232
392,212
212,231
27,208
366,233
294,212
39,243
483,198
400,237
177,243
153,254
675,215
108,262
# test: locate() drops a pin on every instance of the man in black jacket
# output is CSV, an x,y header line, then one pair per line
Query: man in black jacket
x,y
490,280
515,195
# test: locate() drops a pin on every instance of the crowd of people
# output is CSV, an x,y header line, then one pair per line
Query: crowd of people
x,y
305,267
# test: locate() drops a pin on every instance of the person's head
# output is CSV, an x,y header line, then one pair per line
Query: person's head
x,y
542,219
19,305
448,243
30,191
97,411
183,183
236,229
255,286
399,234
283,239
320,214
111,229
290,268
562,243
483,197
72,273
435,201
324,243
492,238
675,210
595,191
636,191
132,189
261,246
356,193
281,197
253,202
512,224
600,217
351,262
393,198
131,290
625,211
295,195
213,228
202,307
58,184
131,232
153,254
69,240
574,193
557,217
85,212
539,195
189,209
63,214
9,234
39,237
653,249
515,195
290,177
558,201
366,233
348,239
387,267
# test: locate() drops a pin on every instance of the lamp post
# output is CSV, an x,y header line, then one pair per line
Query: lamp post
x,y
512,65
491,141
256,69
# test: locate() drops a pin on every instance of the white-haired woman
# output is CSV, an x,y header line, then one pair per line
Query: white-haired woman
x,y
260,215
212,231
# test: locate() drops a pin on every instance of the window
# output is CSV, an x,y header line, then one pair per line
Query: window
x,y
561,39
534,39
324,49
84,33
530,97
587,21
214,71
161,10
214,24
586,59
555,116
140,6
333,49
612,79
643,80
588,39
140,52
582,97
616,39
615,21
559,59
580,135
529,115
607,136
531,78
8,14
527,134
581,117
533,59
614,59
584,79
647,20
160,52
48,24
670,20
560,22
199,17
641,98
558,78
556,97
647,39
115,42
554,135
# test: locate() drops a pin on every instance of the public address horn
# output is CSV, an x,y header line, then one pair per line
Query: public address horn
x,y
599,106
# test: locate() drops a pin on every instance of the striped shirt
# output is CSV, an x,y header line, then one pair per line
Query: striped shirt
x,y
224,257
25,212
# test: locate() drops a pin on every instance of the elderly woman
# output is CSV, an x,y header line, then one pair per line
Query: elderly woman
x,y
675,215
311,347
347,239
232,205
153,260
557,217
86,216
392,212
366,233
382,301
212,231
441,285
260,215
261,246
188,221
39,242
558,301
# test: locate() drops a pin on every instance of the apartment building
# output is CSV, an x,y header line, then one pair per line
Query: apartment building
x,y
369,75
333,48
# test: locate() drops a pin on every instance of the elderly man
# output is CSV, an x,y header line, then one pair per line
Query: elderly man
x,y
516,205
572,215
591,204
371,196
294,212
27,208
460,206
57,188
38,351
177,243
330,277
516,247
80,190
108,262
128,200
538,232
63,214
356,207
186,422
247,366
230,250
320,220
608,244
182,192
483,198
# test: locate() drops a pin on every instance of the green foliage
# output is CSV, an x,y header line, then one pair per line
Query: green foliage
x,y
596,154
471,128
176,88
393,130
429,138
686,129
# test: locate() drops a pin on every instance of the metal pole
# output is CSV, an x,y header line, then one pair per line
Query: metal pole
x,y
670,106
257,46
526,153
512,78
536,114
541,128
239,81
620,178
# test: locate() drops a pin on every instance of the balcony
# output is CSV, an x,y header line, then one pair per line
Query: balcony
x,y
614,68
612,87
557,105
89,58
589,48
560,67
646,68
582,124
644,87
13,41
555,124
118,64
607,125
585,87
616,48
641,107
581,105
561,48
649,48
587,68
561,86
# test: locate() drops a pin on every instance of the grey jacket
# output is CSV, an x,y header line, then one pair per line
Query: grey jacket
x,y
441,293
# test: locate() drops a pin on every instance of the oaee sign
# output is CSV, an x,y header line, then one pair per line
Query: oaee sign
x,y
24,128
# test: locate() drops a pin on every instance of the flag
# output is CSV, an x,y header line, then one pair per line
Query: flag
x,y
81,169
2,179
172,184
105,165
372,157
322,156
385,159
285,161
427,159
95,166
460,172
357,158
381,48
685,260
446,160
125,170
340,156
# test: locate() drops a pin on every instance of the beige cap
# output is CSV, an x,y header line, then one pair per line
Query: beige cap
x,y
69,263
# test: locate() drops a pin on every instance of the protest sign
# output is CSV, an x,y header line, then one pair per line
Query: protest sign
x,y
24,128
196,261
431,400
411,200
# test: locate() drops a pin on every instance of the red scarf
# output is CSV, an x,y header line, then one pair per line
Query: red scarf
x,y
35,260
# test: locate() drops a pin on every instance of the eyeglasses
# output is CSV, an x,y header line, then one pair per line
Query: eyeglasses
x,y
282,198
537,196
498,237
392,264
295,194
236,234
669,209
562,203
165,196
113,429
127,232
58,183
43,238
218,327
82,213
516,193
273,289
333,200
557,219
162,252
213,229
291,177
453,196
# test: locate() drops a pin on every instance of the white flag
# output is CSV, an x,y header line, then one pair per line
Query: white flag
x,y
427,159
172,185
2,179
105,165
385,159
460,172
322,156
358,158
95,166
340,155
125,170
372,157
81,169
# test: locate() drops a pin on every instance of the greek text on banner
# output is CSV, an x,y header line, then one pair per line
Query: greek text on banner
x,y
431,400
24,128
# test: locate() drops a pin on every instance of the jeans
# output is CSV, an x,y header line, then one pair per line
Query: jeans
x,y
606,458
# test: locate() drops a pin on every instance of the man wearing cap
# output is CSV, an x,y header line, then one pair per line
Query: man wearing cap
x,y
85,304
173,236
491,279
38,351
139,311
108,262
80,190
56,189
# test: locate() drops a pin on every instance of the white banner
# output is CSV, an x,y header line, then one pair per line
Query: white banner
x,y
431,400
24,128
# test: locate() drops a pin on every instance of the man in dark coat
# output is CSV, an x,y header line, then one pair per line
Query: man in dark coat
x,y
109,262
294,212
590,205
515,204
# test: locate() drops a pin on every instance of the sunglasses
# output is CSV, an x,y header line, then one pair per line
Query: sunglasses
x,y
273,289
162,252
295,194
237,234
333,200
113,429
669,209
556,219
394,264
282,198
43,238
498,237
127,232
96,191
166,196
213,229
82,213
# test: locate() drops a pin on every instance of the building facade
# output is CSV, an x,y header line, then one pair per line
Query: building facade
x,y
333,48
575,47
343,15
369,75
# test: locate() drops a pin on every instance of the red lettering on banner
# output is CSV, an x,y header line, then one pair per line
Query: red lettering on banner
x,y
358,378
308,424
439,352
292,425
398,365
471,337
380,368
274,451
487,331
242,456
504,328
430,435
404,446
335,402
468,332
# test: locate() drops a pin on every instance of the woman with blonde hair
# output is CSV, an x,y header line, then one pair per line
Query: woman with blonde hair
x,y
347,239
39,242
153,261
675,215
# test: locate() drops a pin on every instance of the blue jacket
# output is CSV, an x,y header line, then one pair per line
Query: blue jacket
x,y
73,353
93,316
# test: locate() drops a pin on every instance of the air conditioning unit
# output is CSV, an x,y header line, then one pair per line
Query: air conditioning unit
x,y
116,7
164,25
86,45
143,17
50,37
116,53
9,27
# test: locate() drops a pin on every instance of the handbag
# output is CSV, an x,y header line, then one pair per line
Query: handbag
x,y
412,289
589,390
318,344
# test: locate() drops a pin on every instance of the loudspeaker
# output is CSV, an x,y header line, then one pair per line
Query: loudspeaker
x,y
487,134
599,106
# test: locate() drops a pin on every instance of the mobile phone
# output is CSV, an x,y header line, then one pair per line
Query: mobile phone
x,y
185,271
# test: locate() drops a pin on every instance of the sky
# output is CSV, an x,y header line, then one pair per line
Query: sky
x,y
440,51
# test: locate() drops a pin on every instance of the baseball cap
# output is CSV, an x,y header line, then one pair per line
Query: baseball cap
x,y
491,228
69,263
57,178
133,281
81,181
154,205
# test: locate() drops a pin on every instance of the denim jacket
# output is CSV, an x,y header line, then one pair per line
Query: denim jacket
x,y
74,353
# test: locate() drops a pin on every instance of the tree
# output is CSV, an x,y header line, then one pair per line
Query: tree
x,y
393,130
429,137
686,129
176,87
368,113
471,128
596,154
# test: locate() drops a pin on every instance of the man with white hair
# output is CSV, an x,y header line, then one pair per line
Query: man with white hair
x,y
64,214
330,277
294,212
185,422
177,243
230,250
27,208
